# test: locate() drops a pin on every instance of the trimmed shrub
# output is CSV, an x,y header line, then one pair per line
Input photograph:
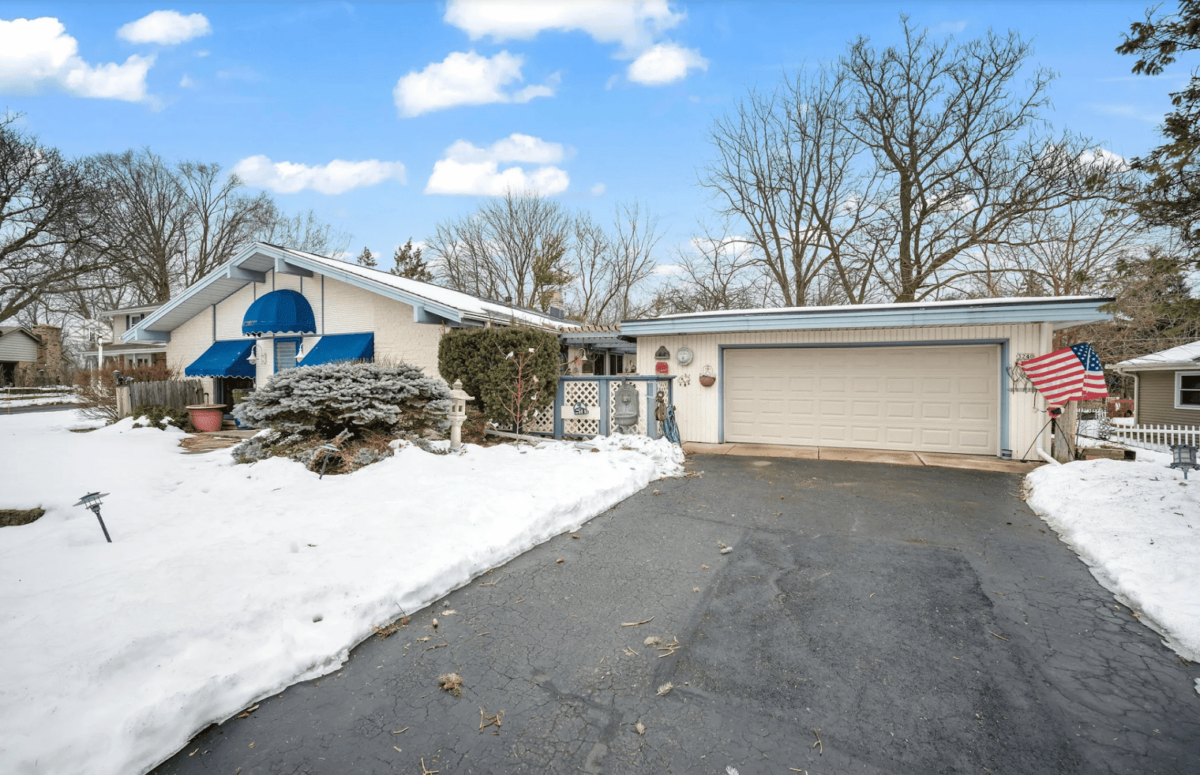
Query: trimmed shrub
x,y
155,413
348,398
480,357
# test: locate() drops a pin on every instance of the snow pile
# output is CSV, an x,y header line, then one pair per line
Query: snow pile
x,y
226,583
1137,526
667,457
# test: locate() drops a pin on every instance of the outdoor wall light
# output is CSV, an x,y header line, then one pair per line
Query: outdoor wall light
x,y
1184,456
253,359
92,502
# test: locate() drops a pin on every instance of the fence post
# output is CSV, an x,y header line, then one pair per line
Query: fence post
x,y
651,423
559,395
605,409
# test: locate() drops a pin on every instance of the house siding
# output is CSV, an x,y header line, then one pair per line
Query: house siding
x,y
18,346
339,308
1156,400
698,408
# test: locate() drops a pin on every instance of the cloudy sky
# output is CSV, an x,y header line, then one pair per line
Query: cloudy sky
x,y
387,118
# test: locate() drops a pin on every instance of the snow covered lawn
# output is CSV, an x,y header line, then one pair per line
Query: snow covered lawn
x,y
1137,526
44,397
227,583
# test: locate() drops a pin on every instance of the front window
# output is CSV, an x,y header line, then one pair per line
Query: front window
x,y
285,353
1187,390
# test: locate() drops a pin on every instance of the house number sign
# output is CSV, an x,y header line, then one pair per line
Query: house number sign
x,y
580,409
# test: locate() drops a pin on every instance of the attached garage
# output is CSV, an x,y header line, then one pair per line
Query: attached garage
x,y
922,377
925,399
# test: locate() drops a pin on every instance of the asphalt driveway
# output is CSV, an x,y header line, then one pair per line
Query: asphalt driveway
x,y
922,619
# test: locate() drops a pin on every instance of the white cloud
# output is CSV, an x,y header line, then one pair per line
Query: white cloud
x,y
952,27
665,63
167,28
336,177
634,24
466,79
667,270
469,169
186,82
37,54
598,189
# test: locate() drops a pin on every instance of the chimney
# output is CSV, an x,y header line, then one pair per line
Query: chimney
x,y
556,306
50,353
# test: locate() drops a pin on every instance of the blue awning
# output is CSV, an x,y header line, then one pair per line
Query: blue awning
x,y
279,312
224,359
341,347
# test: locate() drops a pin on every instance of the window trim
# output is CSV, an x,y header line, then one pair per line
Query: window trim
x,y
1179,375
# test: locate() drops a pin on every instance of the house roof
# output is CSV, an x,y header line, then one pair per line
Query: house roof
x,y
1061,311
430,303
1184,355
143,309
6,330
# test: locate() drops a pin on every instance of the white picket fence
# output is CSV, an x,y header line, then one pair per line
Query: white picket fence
x,y
1156,437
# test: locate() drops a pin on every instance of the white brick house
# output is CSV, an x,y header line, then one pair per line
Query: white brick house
x,y
323,309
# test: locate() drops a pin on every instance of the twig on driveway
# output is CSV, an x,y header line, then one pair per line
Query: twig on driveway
x,y
637,624
818,745
425,771
1001,637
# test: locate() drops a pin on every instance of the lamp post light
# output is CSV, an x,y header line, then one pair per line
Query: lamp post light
x,y
1184,456
92,502
458,413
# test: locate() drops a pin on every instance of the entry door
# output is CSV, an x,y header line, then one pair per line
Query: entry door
x,y
926,399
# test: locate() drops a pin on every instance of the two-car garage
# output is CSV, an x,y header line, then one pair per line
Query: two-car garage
x,y
925,399
923,377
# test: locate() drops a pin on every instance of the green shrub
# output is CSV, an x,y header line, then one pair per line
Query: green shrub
x,y
156,412
480,358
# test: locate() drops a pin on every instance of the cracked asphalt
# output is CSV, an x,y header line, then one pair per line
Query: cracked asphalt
x,y
917,620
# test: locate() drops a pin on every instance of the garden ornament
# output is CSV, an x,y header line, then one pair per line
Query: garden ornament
x,y
458,413
92,502
625,410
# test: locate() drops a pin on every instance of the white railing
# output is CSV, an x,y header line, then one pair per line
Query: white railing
x,y
1156,437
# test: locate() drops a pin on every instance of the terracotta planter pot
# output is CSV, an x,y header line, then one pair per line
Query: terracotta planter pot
x,y
207,418
707,380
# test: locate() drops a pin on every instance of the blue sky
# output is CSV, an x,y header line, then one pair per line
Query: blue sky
x,y
595,105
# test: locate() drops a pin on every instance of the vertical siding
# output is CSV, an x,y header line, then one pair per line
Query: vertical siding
x,y
1156,401
698,407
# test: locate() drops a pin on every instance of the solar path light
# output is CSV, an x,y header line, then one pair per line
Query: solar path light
x,y
92,502
1184,456
325,459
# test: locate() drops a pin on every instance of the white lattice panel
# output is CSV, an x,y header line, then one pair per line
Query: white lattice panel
x,y
589,394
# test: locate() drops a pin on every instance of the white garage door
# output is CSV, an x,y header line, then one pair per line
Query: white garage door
x,y
927,399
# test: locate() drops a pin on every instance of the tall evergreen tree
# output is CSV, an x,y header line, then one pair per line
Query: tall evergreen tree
x,y
1171,196
410,264
366,258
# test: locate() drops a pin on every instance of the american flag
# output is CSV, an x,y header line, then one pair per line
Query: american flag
x,y
1071,374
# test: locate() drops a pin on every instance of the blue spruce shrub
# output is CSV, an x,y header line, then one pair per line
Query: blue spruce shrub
x,y
349,398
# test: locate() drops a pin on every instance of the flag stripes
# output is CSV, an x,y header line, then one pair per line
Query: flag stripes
x,y
1070,374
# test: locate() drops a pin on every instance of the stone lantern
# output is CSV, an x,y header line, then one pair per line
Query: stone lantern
x,y
458,413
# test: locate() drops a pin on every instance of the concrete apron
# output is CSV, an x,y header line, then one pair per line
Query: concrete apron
x,y
895,457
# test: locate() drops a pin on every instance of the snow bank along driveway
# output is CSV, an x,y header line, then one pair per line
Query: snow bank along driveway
x,y
226,583
1137,526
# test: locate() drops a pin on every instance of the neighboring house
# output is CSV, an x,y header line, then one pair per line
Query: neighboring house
x,y
120,355
1166,386
31,356
924,377
271,308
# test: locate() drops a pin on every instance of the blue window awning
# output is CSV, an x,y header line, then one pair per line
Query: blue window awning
x,y
279,312
224,359
341,347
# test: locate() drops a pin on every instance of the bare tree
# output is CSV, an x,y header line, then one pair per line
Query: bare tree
x,y
786,170
957,146
302,231
718,272
50,208
512,247
608,268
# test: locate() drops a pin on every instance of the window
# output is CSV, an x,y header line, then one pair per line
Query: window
x,y
285,353
133,320
1187,390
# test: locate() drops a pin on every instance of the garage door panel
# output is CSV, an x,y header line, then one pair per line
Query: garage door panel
x,y
941,398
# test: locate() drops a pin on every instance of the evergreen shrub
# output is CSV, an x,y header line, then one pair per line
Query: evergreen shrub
x,y
479,357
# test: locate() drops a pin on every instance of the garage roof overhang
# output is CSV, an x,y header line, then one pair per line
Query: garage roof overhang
x,y
1061,312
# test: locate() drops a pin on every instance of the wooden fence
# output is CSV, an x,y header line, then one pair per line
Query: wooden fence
x,y
175,393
